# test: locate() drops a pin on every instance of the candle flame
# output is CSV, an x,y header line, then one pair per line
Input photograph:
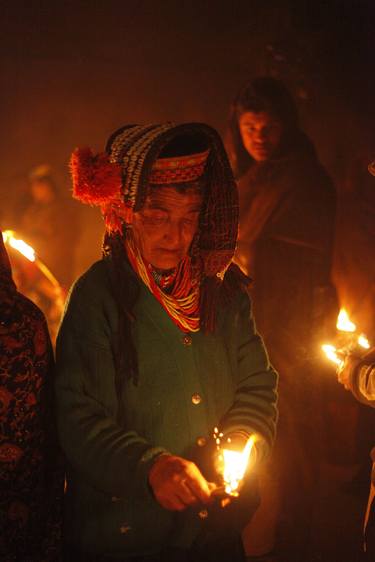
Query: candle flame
x,y
363,341
351,343
19,245
331,353
344,324
235,464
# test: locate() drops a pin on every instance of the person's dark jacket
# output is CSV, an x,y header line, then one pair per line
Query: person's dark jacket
x,y
287,214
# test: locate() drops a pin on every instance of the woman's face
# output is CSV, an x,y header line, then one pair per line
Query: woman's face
x,y
165,227
261,134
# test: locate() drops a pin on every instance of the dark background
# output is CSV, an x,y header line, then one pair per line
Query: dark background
x,y
72,72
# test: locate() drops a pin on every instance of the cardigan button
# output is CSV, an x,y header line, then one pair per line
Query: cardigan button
x,y
125,528
196,399
203,514
201,441
187,340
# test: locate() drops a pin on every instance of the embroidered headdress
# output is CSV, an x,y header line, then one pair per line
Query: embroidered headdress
x,y
118,182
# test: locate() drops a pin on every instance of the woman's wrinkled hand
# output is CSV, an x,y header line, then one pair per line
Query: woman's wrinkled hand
x,y
178,483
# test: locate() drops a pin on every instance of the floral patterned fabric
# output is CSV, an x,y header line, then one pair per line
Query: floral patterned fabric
x,y
31,478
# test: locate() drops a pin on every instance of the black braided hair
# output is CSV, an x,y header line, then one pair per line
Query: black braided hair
x,y
125,288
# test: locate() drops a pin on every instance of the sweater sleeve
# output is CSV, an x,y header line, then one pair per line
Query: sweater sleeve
x,y
112,459
254,408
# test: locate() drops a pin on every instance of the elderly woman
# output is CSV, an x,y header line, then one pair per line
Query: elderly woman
x,y
157,349
31,482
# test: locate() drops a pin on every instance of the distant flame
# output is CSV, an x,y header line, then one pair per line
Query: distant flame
x,y
344,324
235,464
350,343
331,353
363,341
19,245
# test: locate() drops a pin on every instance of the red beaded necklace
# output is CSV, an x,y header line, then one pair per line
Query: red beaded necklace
x,y
177,292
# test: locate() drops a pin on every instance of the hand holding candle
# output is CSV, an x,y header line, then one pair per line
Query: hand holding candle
x,y
345,369
178,483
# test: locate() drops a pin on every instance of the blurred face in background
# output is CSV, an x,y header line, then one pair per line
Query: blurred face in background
x,y
42,191
165,227
261,134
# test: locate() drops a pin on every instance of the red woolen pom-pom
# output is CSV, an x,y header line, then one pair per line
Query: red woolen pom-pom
x,y
95,179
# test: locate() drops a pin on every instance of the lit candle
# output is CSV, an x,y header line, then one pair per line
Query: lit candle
x,y
233,464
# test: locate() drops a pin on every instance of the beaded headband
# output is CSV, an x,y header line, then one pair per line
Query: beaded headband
x,y
178,169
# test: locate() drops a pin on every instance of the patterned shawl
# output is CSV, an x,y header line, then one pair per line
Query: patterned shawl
x,y
30,479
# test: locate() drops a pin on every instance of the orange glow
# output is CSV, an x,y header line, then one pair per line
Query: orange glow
x,y
344,324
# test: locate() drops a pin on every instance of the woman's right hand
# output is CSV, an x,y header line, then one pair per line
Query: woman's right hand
x,y
178,483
